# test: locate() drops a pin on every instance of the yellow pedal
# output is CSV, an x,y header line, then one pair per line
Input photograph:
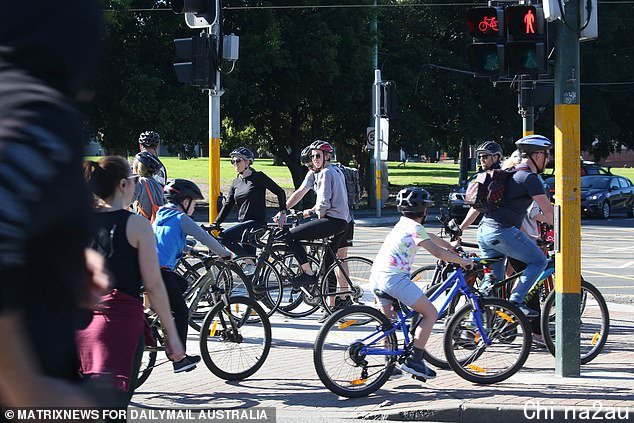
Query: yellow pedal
x,y
475,368
347,324
476,338
595,339
214,327
505,316
357,382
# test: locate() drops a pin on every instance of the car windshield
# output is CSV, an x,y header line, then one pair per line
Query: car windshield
x,y
594,182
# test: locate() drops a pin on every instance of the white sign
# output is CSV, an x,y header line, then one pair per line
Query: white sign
x,y
385,131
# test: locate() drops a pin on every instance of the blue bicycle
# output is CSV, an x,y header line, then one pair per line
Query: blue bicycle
x,y
486,341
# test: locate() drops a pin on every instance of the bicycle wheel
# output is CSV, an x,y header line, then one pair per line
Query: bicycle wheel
x,y
352,282
148,360
191,269
470,357
435,346
594,327
425,277
294,302
337,355
235,339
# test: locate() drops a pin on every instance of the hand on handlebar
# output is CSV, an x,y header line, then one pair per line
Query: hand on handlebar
x,y
280,219
466,263
309,213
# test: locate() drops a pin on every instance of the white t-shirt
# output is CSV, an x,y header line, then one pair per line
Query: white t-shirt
x,y
398,251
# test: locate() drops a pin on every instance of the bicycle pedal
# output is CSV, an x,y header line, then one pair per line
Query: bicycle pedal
x,y
418,378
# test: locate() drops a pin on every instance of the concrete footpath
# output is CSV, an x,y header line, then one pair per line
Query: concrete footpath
x,y
288,382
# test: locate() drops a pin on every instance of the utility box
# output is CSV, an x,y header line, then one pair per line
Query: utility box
x,y
230,47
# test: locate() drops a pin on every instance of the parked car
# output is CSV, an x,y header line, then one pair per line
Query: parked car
x,y
601,195
587,168
456,206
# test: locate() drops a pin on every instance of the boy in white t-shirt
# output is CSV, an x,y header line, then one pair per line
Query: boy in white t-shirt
x,y
392,267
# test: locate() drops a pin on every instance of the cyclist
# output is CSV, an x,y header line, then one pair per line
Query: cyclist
x,y
149,141
112,343
148,193
392,267
331,209
48,55
489,154
499,233
248,192
171,227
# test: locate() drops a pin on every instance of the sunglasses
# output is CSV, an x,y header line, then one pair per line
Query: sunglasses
x,y
236,161
134,178
484,156
316,156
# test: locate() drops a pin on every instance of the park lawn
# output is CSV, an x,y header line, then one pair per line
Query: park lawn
x,y
628,172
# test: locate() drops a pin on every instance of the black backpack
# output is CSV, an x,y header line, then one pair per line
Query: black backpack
x,y
486,192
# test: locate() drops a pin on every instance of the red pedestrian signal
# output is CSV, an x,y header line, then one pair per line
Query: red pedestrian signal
x,y
525,23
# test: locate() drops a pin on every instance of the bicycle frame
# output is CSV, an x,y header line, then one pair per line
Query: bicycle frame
x,y
456,283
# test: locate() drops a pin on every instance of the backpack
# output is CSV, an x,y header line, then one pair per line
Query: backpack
x,y
351,176
486,192
154,206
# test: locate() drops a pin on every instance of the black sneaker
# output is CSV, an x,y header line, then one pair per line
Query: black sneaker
x,y
303,280
186,364
528,312
324,316
418,368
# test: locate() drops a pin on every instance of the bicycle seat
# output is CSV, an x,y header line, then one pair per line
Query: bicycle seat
x,y
385,296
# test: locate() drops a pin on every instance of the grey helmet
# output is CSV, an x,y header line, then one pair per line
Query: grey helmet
x,y
489,147
413,200
149,161
532,143
149,139
243,153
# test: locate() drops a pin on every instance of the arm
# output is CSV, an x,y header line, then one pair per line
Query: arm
x,y
443,254
191,228
546,207
226,208
296,197
141,236
277,190
440,242
471,217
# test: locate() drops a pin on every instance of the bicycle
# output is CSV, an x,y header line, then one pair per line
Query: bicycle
x,y
478,338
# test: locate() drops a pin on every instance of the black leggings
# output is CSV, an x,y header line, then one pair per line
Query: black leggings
x,y
316,229
176,286
233,238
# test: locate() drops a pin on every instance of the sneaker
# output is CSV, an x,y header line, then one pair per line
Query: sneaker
x,y
418,368
303,280
528,312
538,340
186,364
249,269
324,316
396,372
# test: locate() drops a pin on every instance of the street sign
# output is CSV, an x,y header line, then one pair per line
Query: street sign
x,y
385,130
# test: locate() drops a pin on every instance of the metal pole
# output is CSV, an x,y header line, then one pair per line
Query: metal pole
x,y
525,107
214,133
568,200
377,140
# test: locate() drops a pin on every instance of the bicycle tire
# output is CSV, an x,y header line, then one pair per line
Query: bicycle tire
x,y
596,340
423,278
362,289
464,336
202,301
296,298
148,361
269,298
352,388
218,331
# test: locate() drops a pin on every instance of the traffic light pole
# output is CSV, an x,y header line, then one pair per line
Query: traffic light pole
x,y
214,131
568,200
377,141
525,106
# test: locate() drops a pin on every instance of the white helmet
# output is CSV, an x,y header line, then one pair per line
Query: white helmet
x,y
532,143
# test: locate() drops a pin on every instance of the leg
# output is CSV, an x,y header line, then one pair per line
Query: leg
x,y
173,285
233,238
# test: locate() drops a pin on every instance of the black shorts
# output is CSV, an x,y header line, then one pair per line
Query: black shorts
x,y
348,236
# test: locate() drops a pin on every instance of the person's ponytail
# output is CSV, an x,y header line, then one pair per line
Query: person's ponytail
x,y
103,177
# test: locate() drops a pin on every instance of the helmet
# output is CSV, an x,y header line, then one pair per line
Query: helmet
x,y
243,153
305,155
532,143
490,147
180,189
413,200
149,139
324,146
149,161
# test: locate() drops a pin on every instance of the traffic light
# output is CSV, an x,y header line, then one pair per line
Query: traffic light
x,y
486,54
526,46
198,13
388,99
198,55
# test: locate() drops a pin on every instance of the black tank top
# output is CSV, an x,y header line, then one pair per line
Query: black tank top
x,y
122,259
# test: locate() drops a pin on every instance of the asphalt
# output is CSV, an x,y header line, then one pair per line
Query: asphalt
x,y
288,382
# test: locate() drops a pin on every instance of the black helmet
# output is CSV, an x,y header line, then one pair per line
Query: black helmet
x,y
324,146
243,153
149,139
180,189
413,200
489,147
305,157
532,143
149,162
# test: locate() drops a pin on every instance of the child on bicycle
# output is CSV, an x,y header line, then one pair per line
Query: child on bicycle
x,y
392,267
171,227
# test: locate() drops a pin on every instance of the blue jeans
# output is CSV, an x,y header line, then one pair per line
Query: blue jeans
x,y
511,242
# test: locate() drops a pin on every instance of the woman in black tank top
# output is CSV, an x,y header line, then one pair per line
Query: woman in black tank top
x,y
110,347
